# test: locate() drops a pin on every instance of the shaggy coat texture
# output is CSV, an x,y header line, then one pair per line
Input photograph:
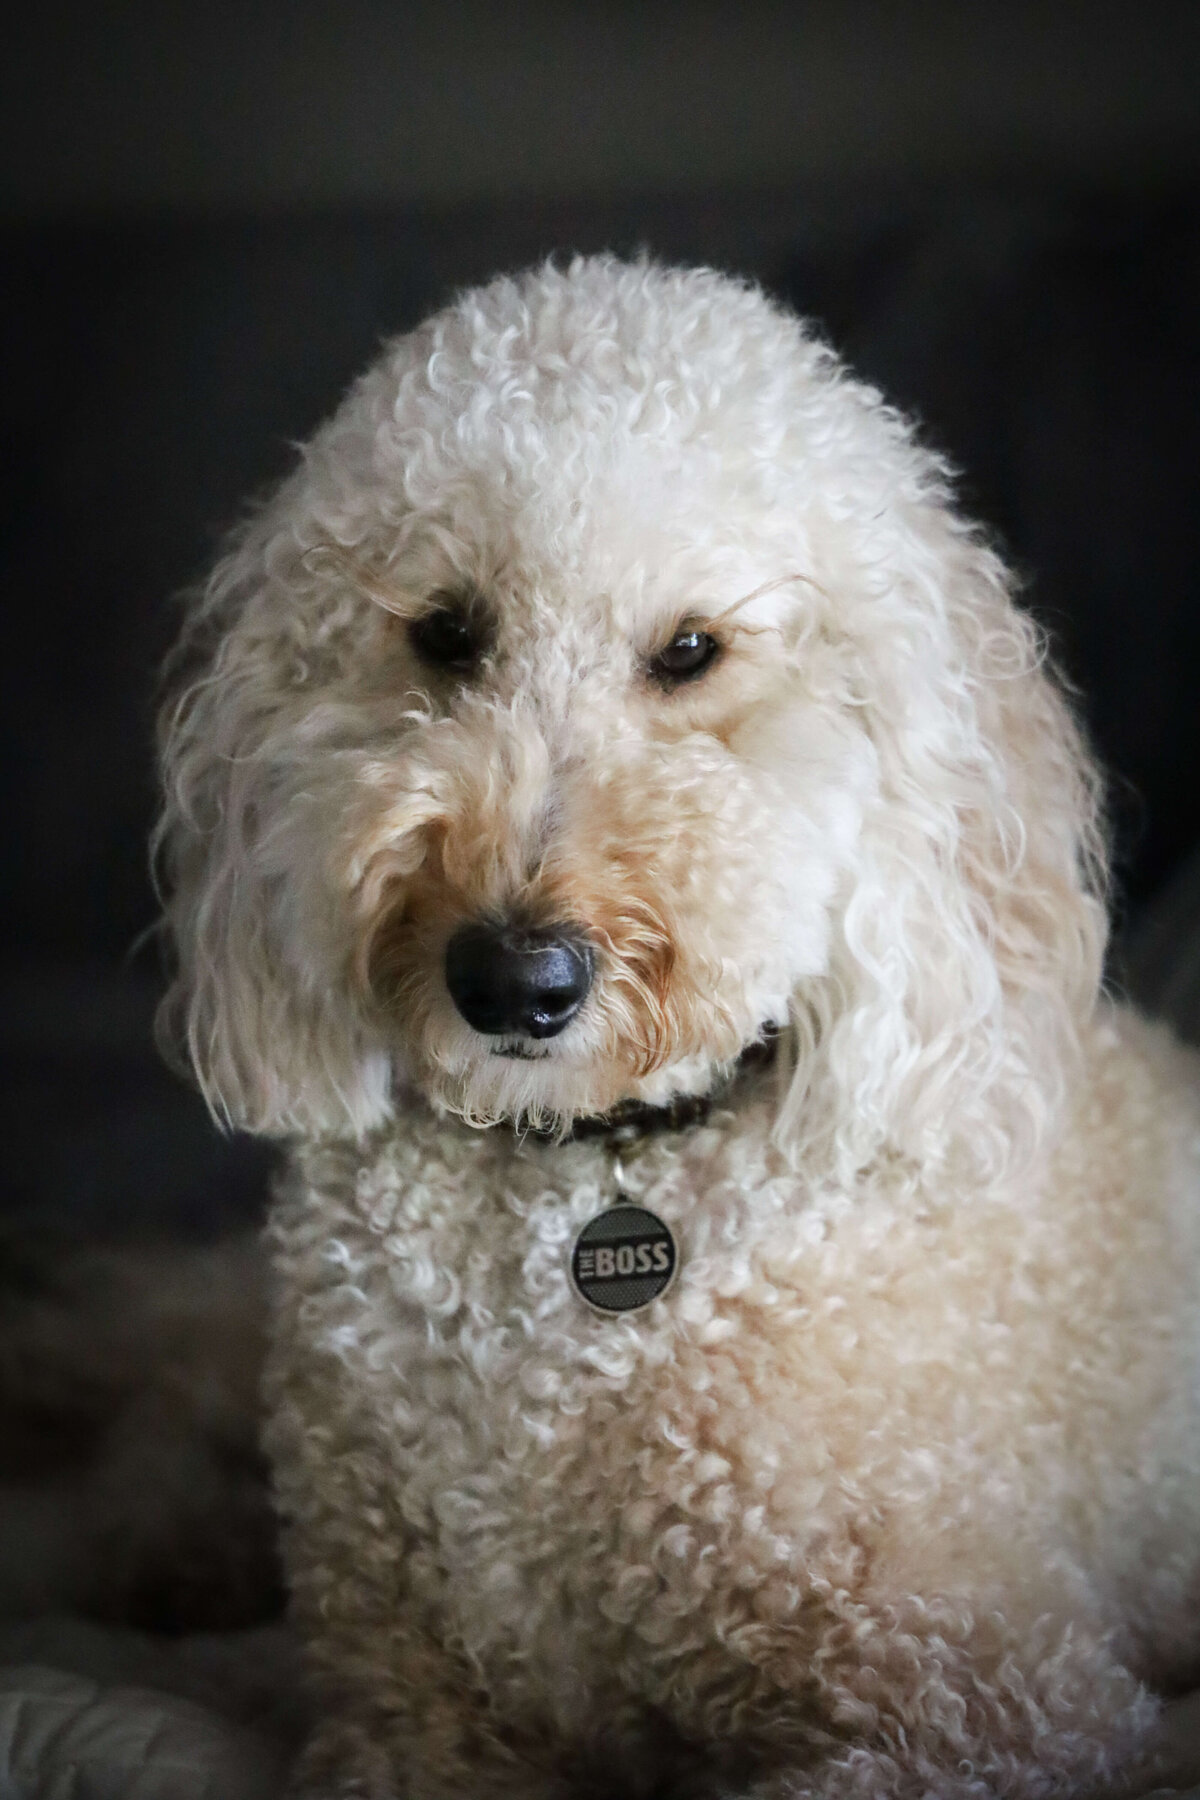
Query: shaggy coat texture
x,y
609,601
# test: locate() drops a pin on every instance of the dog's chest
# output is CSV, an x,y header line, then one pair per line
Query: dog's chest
x,y
566,1485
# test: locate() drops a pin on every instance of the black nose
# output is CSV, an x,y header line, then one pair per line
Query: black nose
x,y
506,980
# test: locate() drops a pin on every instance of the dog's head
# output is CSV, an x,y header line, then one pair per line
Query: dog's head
x,y
611,681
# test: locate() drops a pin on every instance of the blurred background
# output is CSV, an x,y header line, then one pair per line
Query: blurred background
x,y
210,216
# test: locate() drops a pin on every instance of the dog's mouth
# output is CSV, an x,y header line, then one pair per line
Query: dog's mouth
x,y
516,1050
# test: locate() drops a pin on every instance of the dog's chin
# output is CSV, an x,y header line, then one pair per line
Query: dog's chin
x,y
524,1082
527,1086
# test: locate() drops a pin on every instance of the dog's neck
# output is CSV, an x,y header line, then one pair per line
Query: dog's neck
x,y
631,1120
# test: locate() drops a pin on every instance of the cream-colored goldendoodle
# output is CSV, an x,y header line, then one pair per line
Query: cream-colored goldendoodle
x,y
609,770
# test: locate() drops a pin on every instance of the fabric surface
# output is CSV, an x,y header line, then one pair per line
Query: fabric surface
x,y
92,1713
63,1737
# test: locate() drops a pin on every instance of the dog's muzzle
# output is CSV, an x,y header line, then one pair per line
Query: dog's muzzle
x,y
507,981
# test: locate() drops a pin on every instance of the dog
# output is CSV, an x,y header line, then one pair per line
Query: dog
x,y
735,1325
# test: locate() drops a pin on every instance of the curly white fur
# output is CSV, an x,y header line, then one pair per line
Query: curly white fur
x,y
896,1492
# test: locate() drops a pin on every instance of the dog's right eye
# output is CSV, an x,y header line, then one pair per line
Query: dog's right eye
x,y
689,654
449,637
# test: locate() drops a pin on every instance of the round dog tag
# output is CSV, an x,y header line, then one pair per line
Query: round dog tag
x,y
623,1259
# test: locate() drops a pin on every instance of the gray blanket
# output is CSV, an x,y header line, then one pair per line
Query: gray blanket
x,y
95,1713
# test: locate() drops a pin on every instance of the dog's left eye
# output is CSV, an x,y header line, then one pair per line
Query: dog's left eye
x,y
449,637
688,654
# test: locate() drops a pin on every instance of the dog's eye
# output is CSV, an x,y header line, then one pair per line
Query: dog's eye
x,y
688,654
451,636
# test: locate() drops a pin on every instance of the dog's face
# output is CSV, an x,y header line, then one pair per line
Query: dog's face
x,y
564,720
595,844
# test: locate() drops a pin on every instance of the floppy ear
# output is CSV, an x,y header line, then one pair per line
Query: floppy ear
x,y
258,1006
969,949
